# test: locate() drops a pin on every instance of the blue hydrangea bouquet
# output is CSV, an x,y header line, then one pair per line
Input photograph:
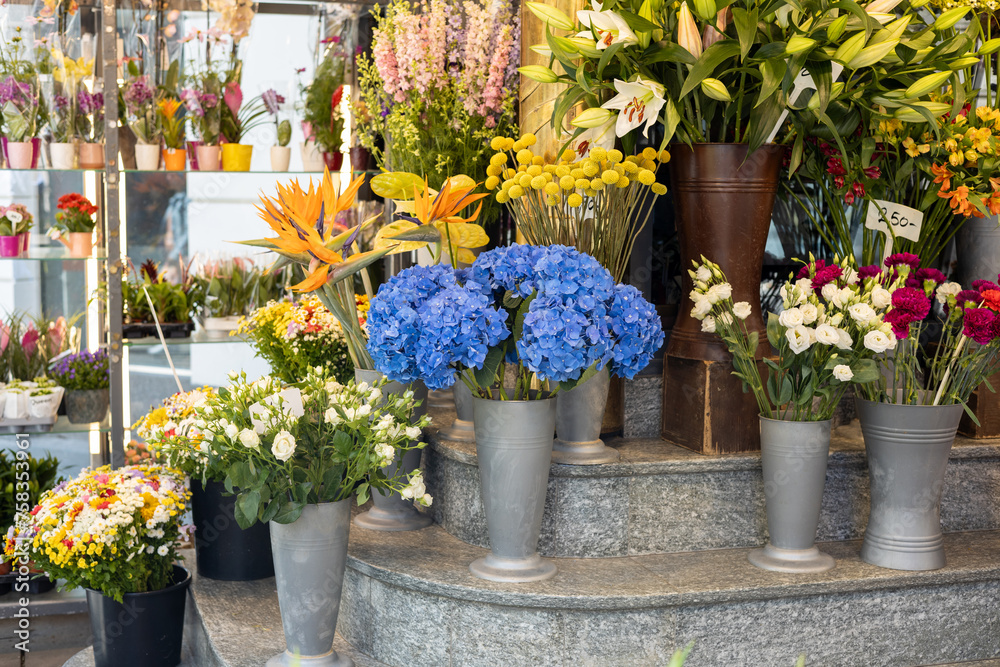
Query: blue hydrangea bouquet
x,y
552,312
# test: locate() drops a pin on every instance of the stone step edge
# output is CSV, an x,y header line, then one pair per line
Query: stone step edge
x,y
847,448
367,550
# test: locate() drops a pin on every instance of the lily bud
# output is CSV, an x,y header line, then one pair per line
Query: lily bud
x,y
705,9
798,44
950,18
645,12
585,47
593,117
710,36
847,51
687,31
551,16
881,6
925,84
836,29
872,54
539,73
990,47
908,115
716,90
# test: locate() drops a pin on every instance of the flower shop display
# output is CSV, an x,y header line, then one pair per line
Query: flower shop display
x,y
90,126
19,105
297,455
322,115
202,96
548,312
13,219
27,344
115,533
36,476
834,321
445,77
75,224
238,119
169,307
295,337
281,153
85,378
910,415
61,105
223,549
232,288
142,110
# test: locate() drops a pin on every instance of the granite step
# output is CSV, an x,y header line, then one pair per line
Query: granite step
x,y
662,498
410,601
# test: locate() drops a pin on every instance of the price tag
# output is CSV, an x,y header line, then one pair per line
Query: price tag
x,y
906,222
802,82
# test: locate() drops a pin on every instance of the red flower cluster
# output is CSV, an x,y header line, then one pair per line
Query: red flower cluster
x,y
76,202
909,305
981,311
820,273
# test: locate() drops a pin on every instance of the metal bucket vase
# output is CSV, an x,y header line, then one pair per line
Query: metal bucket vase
x,y
514,450
310,556
462,429
907,448
793,459
441,398
579,417
393,512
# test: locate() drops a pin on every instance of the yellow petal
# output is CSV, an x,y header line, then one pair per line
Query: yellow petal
x,y
462,234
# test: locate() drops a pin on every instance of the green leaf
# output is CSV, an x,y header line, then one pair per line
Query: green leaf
x,y
671,119
270,511
763,119
289,512
240,474
606,57
247,504
636,22
487,375
786,391
770,50
713,56
865,371
773,71
972,415
774,332
746,28
670,52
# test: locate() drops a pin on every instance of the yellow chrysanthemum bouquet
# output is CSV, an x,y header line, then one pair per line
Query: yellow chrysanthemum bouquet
x,y
597,203
114,531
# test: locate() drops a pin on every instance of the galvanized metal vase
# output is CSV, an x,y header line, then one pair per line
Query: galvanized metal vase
x,y
514,449
579,417
907,448
392,512
793,460
440,398
310,556
462,429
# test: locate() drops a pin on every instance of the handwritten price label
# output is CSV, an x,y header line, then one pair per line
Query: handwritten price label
x,y
906,222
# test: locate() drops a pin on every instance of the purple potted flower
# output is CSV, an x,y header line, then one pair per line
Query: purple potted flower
x,y
85,377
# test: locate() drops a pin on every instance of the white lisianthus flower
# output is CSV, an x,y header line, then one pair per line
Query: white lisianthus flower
x,y
827,334
283,446
412,432
881,298
725,318
803,288
850,276
836,319
878,342
708,325
742,309
862,313
424,500
800,338
885,328
845,341
809,313
723,290
363,410
703,274
363,387
790,318
375,396
829,291
702,307
249,438
350,414
843,297
331,416
945,290
843,372
233,375
232,431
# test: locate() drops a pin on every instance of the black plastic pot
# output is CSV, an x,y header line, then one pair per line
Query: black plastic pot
x,y
223,549
39,583
144,629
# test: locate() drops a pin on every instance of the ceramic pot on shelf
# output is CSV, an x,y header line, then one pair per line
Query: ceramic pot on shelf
x,y
174,159
209,157
280,158
92,155
147,157
62,155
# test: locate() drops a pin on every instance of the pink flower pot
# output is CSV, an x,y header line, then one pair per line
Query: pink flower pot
x,y
10,246
25,241
20,154
36,145
208,157
192,152
79,244
91,156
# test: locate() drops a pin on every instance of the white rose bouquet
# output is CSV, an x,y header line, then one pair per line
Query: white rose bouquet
x,y
824,340
284,447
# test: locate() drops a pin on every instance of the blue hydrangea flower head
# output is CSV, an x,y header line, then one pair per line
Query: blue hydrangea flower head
x,y
561,340
637,331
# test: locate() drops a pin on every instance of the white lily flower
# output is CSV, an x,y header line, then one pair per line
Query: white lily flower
x,y
609,27
638,102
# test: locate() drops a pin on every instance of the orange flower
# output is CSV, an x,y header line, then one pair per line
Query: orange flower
x,y
993,204
960,203
991,299
446,206
942,176
169,106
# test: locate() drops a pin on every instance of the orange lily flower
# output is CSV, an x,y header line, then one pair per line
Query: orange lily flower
x,y
942,176
960,203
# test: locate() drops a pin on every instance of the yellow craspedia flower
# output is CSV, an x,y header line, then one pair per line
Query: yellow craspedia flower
x,y
551,189
506,185
538,159
619,169
551,200
622,182
615,155
503,197
567,182
529,139
574,199
499,159
549,168
630,167
524,180
498,143
562,170
590,193
646,177
582,184
515,192
509,173
518,146
610,177
568,155
597,184
577,173
524,156
494,170
649,153
659,189
664,156
492,182
590,168
534,170
598,153
648,164
538,182
508,144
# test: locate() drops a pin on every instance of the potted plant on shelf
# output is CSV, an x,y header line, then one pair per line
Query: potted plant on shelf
x,y
141,107
31,476
173,304
297,456
294,337
84,376
33,342
281,153
322,116
19,105
75,224
172,121
910,415
203,99
61,114
115,533
599,204
230,289
10,242
21,223
833,323
175,434
238,119
90,127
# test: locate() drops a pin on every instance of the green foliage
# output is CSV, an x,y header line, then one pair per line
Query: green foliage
x,y
172,302
38,474
327,121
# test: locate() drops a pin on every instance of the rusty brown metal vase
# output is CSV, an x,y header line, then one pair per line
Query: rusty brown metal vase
x,y
723,200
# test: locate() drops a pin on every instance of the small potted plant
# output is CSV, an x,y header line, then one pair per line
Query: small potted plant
x,y
62,148
322,117
229,286
202,101
115,533
84,376
22,226
237,121
10,242
90,128
141,109
281,154
174,304
172,120
19,99
43,402
75,224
